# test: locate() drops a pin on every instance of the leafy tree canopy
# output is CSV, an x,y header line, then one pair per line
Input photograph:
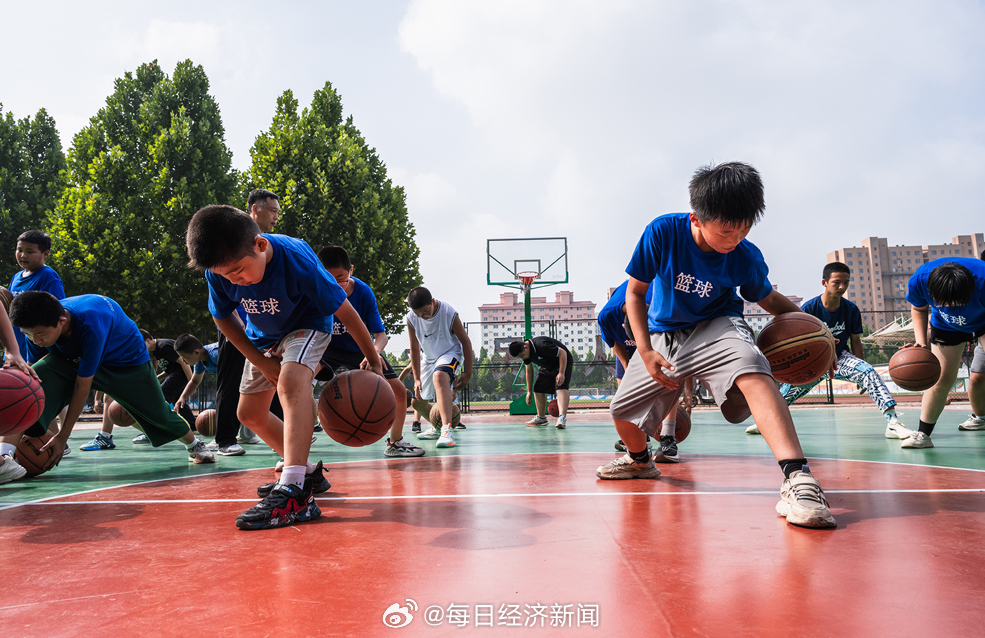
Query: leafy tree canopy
x,y
334,189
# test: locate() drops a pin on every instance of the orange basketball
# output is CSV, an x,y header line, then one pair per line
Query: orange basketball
x,y
799,347
21,401
683,424
915,369
30,456
435,416
553,409
356,408
119,415
205,422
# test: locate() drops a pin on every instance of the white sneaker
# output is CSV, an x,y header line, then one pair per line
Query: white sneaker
x,y
537,420
11,470
973,423
446,439
141,439
753,429
402,448
626,468
562,422
802,502
247,436
430,433
917,440
896,430
212,446
198,454
230,450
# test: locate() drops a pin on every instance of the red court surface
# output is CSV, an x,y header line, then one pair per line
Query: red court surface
x,y
698,552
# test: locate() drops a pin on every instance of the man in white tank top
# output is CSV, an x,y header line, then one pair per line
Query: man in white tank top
x,y
435,328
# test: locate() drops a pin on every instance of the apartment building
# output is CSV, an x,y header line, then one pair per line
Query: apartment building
x,y
575,322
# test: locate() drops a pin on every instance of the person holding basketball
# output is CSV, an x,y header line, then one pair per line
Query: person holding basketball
x,y
90,342
844,320
11,470
435,328
290,300
694,322
554,376
947,299
343,353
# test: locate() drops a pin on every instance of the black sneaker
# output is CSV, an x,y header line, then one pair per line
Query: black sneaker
x,y
416,427
622,446
459,426
318,482
319,428
667,452
285,505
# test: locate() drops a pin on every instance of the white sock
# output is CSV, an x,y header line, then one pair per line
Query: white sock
x,y
309,468
293,475
669,427
7,448
189,446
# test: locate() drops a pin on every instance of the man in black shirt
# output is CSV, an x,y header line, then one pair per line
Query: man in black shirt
x,y
554,376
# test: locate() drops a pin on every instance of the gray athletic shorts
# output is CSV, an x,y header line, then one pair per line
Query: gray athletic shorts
x,y
978,363
715,352
301,346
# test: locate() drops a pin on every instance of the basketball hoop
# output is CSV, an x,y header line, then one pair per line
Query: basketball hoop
x,y
527,278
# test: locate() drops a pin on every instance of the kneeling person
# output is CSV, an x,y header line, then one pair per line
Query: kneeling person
x,y
92,344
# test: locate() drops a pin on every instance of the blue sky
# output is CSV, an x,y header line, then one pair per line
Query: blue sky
x,y
579,119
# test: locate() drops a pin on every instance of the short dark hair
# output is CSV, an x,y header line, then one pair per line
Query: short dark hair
x,y
334,257
41,239
33,308
259,195
730,194
516,348
187,343
832,268
951,284
419,297
146,335
219,235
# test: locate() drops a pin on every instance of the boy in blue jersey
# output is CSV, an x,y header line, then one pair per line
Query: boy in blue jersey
x,y
33,248
612,325
696,261
11,470
947,296
90,343
290,300
843,318
344,354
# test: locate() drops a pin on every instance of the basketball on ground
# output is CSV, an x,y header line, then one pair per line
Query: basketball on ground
x,y
21,401
205,422
799,347
356,408
915,369
553,409
435,416
683,424
30,456
119,415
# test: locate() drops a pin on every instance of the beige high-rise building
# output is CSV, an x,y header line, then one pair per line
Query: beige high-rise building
x,y
880,272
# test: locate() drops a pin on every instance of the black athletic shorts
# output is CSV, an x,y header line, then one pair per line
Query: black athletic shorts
x,y
953,337
337,361
546,382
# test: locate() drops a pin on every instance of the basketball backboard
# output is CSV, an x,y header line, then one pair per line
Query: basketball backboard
x,y
546,256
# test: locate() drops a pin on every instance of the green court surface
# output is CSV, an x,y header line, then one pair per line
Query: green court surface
x,y
825,432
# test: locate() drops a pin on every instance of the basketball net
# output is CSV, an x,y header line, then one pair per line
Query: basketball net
x,y
527,279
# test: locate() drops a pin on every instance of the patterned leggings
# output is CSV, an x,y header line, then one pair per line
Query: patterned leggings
x,y
849,368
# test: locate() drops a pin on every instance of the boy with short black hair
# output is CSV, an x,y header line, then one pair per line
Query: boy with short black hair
x,y
92,343
344,354
844,319
202,358
290,300
446,346
33,249
696,261
553,377
947,298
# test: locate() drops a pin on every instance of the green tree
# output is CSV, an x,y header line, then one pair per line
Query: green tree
x,y
334,189
137,173
31,179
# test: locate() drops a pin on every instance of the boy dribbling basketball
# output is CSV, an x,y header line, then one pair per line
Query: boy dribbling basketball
x,y
290,300
695,326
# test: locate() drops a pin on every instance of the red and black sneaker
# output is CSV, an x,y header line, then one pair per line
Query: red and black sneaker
x,y
284,505
318,481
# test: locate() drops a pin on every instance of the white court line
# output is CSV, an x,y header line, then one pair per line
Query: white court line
x,y
513,495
